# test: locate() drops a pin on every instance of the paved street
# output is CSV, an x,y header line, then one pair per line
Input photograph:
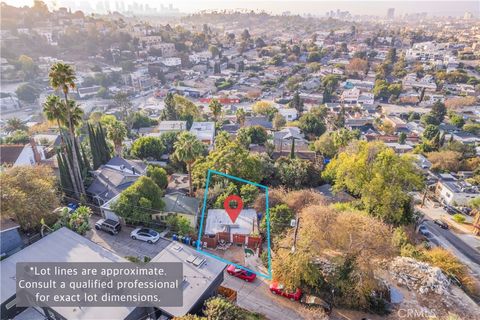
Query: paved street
x,y
257,297
251,296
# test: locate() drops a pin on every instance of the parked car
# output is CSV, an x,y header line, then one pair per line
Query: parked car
x,y
108,225
450,210
277,288
145,234
440,223
313,301
241,273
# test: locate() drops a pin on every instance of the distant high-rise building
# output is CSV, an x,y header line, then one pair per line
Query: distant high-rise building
x,y
390,13
467,15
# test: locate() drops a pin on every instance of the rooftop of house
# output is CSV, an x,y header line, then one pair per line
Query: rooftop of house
x,y
199,273
62,245
7,224
218,221
114,177
258,121
9,153
179,203
172,126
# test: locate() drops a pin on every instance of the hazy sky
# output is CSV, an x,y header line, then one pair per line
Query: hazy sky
x,y
376,7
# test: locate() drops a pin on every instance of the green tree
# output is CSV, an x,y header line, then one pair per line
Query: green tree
x,y
188,149
168,139
297,103
249,193
29,195
253,134
98,145
278,121
179,224
18,137
62,77
232,159
296,173
439,111
220,308
117,132
402,138
14,124
169,112
215,108
27,93
139,201
280,217
379,177
240,115
121,101
158,175
429,119
342,137
148,148
312,125
325,146
456,120
430,132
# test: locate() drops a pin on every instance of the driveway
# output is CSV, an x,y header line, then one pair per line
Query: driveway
x,y
122,244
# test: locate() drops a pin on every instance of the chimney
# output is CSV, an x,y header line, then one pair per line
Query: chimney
x,y
36,155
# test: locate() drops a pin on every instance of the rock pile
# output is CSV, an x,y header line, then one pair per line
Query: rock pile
x,y
419,276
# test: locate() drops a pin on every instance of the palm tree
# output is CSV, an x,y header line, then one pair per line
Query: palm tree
x,y
62,77
187,149
117,131
15,124
54,110
215,108
240,114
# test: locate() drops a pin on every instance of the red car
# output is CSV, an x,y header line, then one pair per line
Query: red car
x,y
241,273
279,289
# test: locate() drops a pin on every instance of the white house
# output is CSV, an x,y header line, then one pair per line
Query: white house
x,y
204,131
289,114
454,192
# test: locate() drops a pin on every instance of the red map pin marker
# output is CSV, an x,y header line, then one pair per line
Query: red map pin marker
x,y
233,213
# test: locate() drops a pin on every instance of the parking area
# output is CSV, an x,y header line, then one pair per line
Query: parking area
x,y
122,244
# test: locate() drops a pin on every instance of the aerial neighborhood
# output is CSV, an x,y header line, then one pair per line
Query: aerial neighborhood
x,y
349,143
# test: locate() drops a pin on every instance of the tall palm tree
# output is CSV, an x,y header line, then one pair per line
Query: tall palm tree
x,y
54,110
240,114
117,131
187,149
215,108
62,77
14,124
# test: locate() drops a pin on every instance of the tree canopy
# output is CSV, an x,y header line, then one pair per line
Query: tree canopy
x,y
379,177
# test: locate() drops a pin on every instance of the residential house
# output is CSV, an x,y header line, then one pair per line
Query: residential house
x,y
258,121
455,192
170,126
114,177
204,131
21,155
179,204
412,82
218,221
290,114
202,278
10,239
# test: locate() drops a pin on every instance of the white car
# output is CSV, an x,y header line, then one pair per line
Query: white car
x,y
145,234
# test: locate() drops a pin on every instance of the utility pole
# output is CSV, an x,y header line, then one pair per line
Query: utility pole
x,y
295,234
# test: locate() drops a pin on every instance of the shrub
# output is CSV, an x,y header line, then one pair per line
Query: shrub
x,y
158,175
458,218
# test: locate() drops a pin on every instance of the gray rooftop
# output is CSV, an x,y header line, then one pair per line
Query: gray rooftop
x,y
63,245
196,279
180,203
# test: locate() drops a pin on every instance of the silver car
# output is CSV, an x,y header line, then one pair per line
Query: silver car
x,y
145,234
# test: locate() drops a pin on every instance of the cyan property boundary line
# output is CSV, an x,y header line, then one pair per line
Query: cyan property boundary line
x,y
267,217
